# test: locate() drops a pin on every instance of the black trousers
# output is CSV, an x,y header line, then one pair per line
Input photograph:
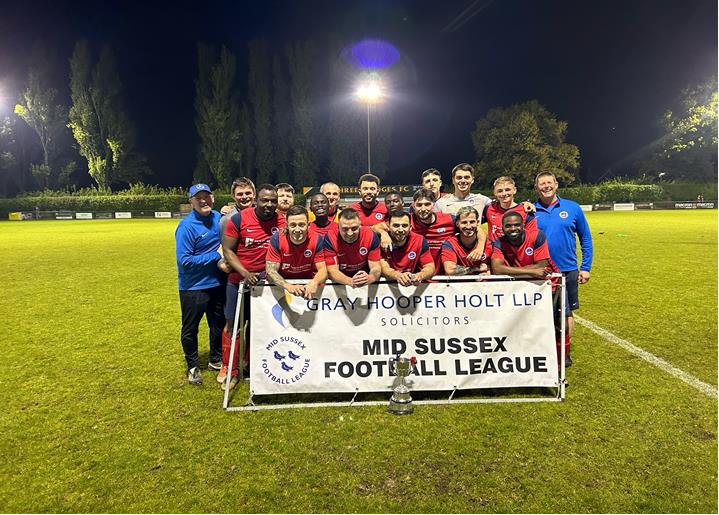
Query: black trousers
x,y
194,304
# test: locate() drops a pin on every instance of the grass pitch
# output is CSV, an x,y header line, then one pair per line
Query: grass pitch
x,y
97,416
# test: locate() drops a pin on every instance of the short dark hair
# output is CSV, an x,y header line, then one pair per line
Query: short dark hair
x,y
242,181
266,187
463,167
511,214
393,192
285,187
425,193
466,210
397,213
368,177
431,171
349,214
297,210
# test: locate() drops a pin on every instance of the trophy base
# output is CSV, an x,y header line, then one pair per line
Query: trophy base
x,y
400,407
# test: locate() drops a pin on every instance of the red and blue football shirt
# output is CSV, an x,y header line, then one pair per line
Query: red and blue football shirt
x,y
322,230
532,250
373,216
435,233
453,250
253,237
296,261
352,257
411,256
494,213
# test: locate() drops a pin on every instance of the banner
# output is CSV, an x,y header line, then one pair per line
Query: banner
x,y
463,335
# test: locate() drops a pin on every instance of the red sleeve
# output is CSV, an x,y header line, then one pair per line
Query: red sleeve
x,y
232,229
497,251
448,253
273,250
425,256
329,251
541,251
374,248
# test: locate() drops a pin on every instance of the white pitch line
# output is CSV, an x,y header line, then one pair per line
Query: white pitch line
x,y
703,387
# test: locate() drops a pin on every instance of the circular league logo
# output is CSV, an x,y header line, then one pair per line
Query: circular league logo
x,y
284,360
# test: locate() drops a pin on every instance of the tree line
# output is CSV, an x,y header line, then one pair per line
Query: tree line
x,y
292,122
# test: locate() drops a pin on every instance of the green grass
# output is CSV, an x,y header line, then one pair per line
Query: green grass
x,y
97,416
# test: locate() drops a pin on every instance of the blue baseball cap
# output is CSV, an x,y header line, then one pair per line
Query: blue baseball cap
x,y
197,188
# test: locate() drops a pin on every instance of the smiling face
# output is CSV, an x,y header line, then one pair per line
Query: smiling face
x,y
285,200
266,204
368,191
423,209
467,225
399,227
332,192
319,205
546,187
432,182
244,196
202,203
504,192
349,229
297,226
462,181
513,228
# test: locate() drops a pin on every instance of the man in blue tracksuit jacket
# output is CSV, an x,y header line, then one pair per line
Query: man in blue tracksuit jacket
x,y
201,283
563,221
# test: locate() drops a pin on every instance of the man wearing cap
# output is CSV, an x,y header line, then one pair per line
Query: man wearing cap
x,y
202,292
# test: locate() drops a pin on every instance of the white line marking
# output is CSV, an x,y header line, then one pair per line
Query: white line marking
x,y
703,387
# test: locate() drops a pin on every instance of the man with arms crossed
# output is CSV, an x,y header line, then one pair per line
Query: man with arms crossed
x,y
197,238
296,255
563,221
409,261
244,246
456,250
352,252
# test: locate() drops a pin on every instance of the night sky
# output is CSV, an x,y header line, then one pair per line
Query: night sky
x,y
610,68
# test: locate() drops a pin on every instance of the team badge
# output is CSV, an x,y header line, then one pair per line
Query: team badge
x,y
529,251
563,214
308,253
363,251
412,255
378,216
275,230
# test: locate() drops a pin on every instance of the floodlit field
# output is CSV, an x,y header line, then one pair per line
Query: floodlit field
x,y
97,416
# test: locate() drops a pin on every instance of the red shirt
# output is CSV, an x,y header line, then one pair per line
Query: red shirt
x,y
253,237
321,231
411,256
296,261
532,250
373,216
436,234
494,213
352,257
454,251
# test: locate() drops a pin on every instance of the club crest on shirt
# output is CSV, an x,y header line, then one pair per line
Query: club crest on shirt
x,y
378,216
529,251
563,214
275,230
363,251
308,252
412,255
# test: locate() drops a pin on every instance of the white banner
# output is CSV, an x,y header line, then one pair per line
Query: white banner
x,y
463,335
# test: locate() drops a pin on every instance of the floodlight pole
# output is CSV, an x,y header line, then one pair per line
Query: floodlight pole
x,y
369,147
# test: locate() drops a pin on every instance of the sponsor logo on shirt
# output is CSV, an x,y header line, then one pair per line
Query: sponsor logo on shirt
x,y
441,229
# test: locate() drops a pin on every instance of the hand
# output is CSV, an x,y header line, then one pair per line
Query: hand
x,y
538,273
583,277
475,255
385,242
359,279
310,290
223,266
225,210
405,278
529,207
297,290
251,278
483,269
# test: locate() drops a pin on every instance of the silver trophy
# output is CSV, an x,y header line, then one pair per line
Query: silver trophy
x,y
401,401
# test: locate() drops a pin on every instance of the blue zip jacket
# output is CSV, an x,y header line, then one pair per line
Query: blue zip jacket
x,y
196,241
563,222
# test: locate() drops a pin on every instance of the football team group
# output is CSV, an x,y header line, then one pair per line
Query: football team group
x,y
263,236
